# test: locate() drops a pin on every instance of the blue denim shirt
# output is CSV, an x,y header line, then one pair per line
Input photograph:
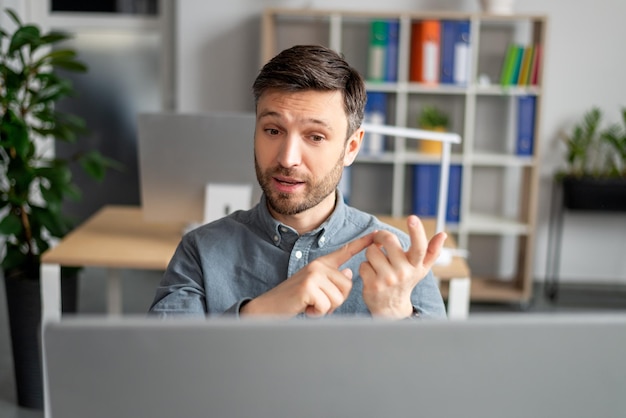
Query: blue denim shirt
x,y
220,265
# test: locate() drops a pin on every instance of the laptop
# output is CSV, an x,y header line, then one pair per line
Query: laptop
x,y
181,154
517,365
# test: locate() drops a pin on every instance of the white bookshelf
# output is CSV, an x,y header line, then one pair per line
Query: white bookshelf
x,y
499,188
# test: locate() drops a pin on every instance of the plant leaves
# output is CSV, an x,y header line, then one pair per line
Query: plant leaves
x,y
70,65
24,35
11,224
14,16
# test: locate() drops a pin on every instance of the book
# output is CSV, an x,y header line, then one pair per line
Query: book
x,y
462,53
448,41
426,191
536,62
376,51
453,207
525,125
517,63
525,69
507,64
391,51
425,45
375,113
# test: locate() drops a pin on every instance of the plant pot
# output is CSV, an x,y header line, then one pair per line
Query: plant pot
x,y
594,194
24,308
432,147
23,297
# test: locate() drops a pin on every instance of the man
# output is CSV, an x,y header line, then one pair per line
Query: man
x,y
301,250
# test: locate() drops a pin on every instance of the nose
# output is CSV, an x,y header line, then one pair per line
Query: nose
x,y
290,152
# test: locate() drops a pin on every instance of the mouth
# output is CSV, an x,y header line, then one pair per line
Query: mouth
x,y
287,184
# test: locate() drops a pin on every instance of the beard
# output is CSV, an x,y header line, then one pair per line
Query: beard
x,y
316,190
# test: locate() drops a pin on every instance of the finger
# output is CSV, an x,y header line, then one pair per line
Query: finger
x,y
346,252
318,304
393,249
329,295
419,242
434,248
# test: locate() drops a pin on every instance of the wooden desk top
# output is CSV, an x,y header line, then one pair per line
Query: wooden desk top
x,y
117,236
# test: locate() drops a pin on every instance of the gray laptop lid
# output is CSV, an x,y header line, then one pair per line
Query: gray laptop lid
x,y
511,366
179,153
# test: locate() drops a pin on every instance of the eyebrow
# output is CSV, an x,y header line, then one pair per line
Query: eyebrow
x,y
271,113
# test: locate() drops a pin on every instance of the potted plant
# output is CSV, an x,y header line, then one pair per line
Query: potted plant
x,y
433,119
595,173
34,183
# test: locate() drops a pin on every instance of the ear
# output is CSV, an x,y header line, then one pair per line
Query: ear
x,y
353,145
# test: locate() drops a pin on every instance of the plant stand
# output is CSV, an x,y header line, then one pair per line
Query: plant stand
x,y
585,194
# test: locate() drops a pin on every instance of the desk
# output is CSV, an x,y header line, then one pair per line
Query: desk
x,y
456,274
117,237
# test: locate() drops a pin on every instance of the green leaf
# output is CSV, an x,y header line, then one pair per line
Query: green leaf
x,y
25,35
14,134
95,164
70,65
51,219
14,16
11,224
54,37
13,258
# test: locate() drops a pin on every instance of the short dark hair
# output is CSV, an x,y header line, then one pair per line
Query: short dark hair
x,y
315,67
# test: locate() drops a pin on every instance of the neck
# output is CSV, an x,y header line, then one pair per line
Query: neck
x,y
310,219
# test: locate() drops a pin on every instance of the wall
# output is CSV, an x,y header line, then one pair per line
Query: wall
x,y
218,56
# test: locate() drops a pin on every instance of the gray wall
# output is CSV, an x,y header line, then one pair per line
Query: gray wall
x,y
218,56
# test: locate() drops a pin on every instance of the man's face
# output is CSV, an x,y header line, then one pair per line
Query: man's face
x,y
300,148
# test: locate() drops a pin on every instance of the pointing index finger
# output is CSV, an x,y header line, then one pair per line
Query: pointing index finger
x,y
349,250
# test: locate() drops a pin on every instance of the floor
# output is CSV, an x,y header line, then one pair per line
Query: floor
x,y
141,285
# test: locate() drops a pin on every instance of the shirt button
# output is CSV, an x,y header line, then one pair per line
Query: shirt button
x,y
323,240
298,254
275,238
283,229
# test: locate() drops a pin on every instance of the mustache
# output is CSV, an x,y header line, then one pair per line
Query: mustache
x,y
284,171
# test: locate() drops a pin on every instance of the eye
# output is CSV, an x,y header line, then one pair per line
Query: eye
x,y
272,131
317,138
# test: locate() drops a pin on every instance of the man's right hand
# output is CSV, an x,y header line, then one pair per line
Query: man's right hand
x,y
317,289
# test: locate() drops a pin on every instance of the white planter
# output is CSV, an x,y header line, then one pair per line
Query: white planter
x,y
501,7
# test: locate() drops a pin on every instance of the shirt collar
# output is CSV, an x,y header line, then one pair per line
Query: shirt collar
x,y
324,233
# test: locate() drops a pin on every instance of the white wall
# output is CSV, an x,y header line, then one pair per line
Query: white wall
x,y
217,58
218,55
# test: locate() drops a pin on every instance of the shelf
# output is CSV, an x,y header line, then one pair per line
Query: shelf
x,y
494,225
498,90
493,179
501,160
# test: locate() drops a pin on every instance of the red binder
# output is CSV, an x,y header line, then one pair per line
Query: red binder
x,y
425,46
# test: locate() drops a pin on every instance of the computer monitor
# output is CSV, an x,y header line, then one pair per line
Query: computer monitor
x,y
180,153
517,365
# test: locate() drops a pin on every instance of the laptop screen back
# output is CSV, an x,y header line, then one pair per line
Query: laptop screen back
x,y
510,366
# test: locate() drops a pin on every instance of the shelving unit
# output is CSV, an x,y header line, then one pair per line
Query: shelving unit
x,y
499,188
